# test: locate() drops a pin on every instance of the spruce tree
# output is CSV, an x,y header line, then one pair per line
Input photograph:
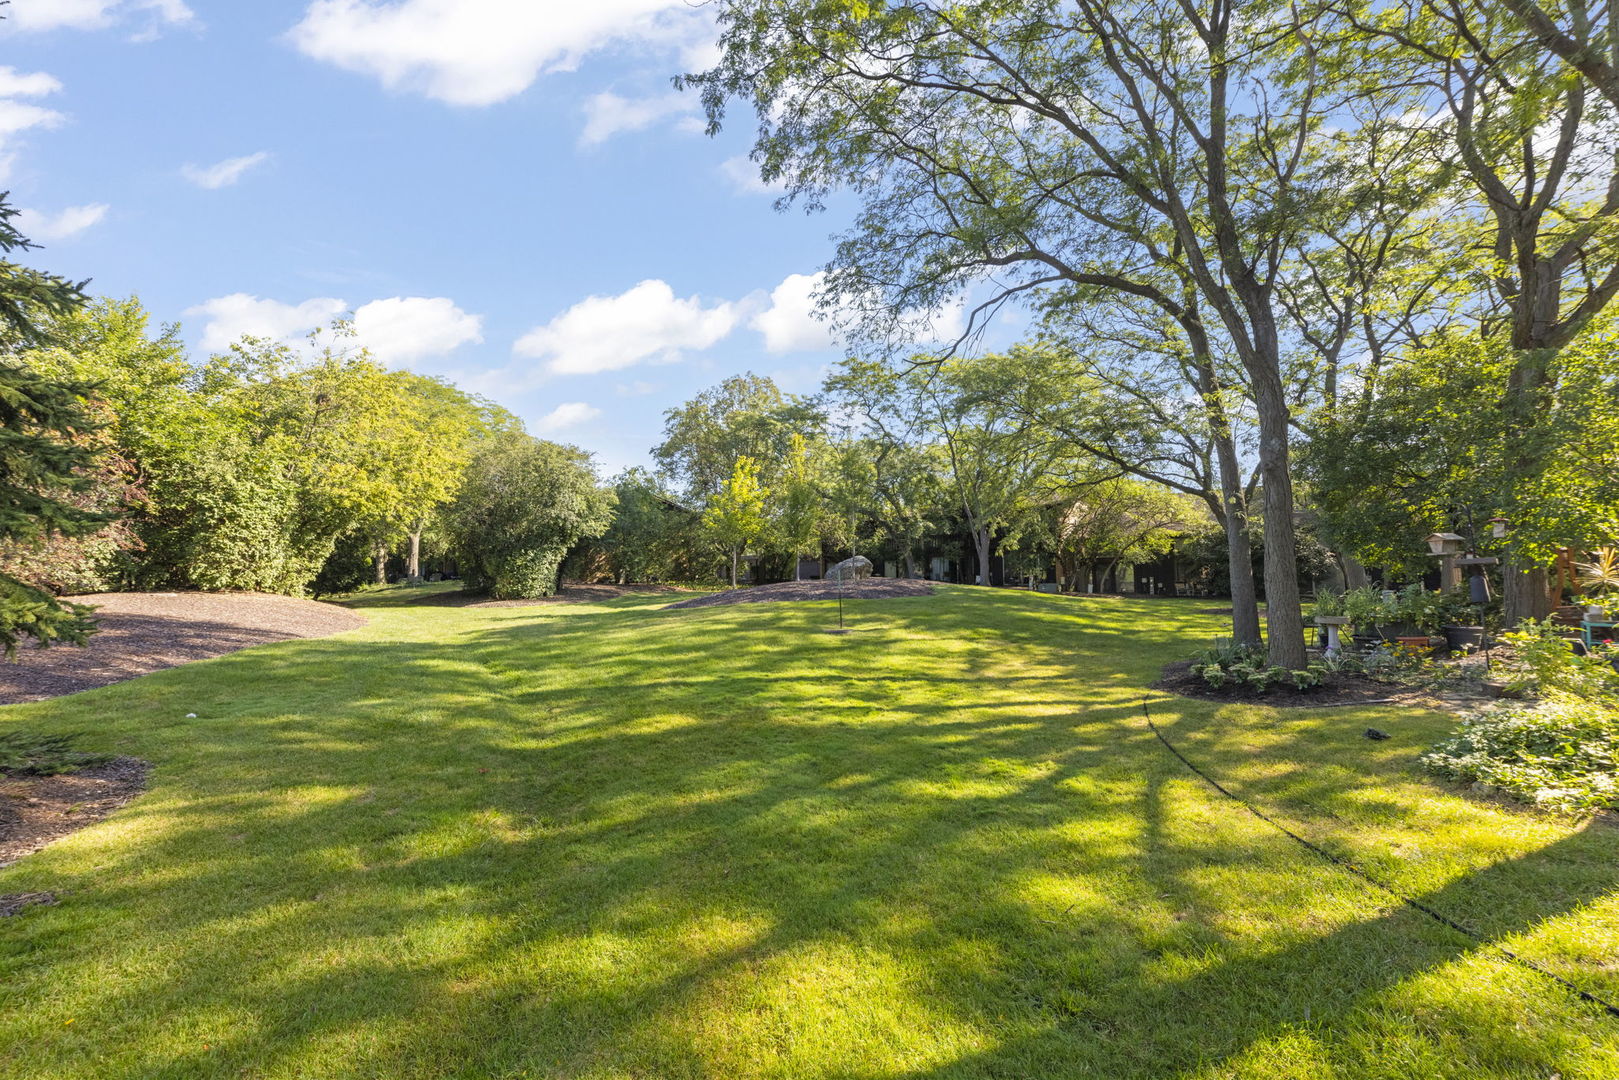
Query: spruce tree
x,y
43,449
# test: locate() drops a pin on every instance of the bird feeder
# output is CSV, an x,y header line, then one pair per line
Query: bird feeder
x,y
1444,543
1478,586
1446,546
1498,528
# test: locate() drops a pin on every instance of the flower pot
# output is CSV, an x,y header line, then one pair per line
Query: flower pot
x,y
1464,637
1415,642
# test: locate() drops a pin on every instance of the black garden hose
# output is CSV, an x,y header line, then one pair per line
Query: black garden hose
x,y
1344,864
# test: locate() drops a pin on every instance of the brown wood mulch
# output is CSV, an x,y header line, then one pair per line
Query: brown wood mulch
x,y
1341,688
34,810
868,589
145,632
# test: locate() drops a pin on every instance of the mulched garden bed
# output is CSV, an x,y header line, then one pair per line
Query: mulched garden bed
x,y
869,589
145,632
1341,688
34,810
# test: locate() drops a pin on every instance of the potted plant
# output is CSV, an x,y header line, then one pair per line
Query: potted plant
x,y
1419,616
1329,609
1458,621
1600,577
1365,608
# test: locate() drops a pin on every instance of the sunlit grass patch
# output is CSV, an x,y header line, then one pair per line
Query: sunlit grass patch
x,y
613,840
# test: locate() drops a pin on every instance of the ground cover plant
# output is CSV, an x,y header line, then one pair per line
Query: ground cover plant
x,y
605,840
1559,748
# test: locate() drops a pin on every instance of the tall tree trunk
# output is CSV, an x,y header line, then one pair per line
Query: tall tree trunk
x,y
1284,619
1239,552
413,560
1355,576
1111,567
981,543
1525,592
1525,587
379,556
735,553
910,563
1233,510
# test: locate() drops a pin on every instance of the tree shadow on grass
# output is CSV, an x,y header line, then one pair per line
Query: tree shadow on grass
x,y
581,852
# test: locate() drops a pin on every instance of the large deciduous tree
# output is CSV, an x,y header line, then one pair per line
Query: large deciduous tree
x,y
1434,446
653,536
1137,147
745,416
525,502
735,516
800,501
1528,97
1089,531
992,450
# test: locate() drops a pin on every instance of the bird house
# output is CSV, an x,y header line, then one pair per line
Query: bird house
x,y
1445,543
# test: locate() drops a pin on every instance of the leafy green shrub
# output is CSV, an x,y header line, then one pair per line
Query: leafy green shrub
x,y
23,754
1561,753
1227,663
1344,661
349,568
1427,611
525,503
1366,607
1544,661
1327,604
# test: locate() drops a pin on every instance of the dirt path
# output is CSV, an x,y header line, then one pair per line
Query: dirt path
x,y
144,632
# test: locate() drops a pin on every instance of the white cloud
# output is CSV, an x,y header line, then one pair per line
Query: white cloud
x,y
406,329
608,114
607,333
17,117
743,173
14,83
789,323
231,317
400,330
223,173
479,52
46,228
93,14
566,416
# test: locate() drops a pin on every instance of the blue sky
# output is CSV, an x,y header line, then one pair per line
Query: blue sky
x,y
504,192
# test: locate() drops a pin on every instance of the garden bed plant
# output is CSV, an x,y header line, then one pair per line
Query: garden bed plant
x,y
1246,668
1383,661
1559,748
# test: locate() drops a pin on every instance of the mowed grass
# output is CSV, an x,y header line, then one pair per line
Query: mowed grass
x,y
615,841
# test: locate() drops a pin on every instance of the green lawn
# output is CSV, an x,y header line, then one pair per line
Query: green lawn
x,y
617,841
